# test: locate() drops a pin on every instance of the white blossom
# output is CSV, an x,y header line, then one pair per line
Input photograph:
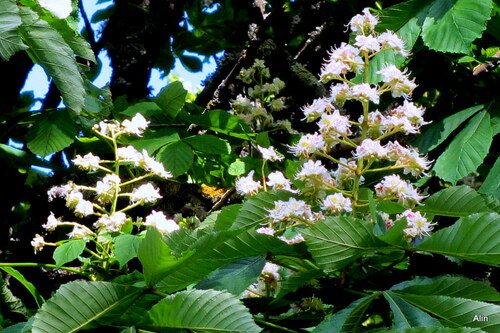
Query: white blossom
x,y
129,154
390,40
84,208
38,243
112,223
246,185
393,187
278,181
298,238
80,232
317,108
308,144
59,191
52,223
150,164
418,226
136,125
106,187
363,23
160,222
364,92
367,43
292,209
337,203
265,231
270,154
370,149
315,174
340,92
145,193
334,122
87,162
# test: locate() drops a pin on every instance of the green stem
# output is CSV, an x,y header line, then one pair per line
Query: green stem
x,y
334,160
136,179
36,264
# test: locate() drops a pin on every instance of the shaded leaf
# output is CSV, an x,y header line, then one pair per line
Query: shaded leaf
x,y
347,320
80,304
467,150
52,133
457,201
28,285
336,241
10,20
297,280
473,238
209,144
234,277
204,310
172,98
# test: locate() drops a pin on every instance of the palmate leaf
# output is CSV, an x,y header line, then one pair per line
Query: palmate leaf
x,y
446,25
407,315
467,151
209,144
203,310
336,241
473,238
458,312
52,132
80,304
172,98
218,250
10,40
69,251
348,319
457,201
48,48
297,280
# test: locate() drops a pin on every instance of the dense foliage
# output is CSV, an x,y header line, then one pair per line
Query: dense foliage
x,y
335,174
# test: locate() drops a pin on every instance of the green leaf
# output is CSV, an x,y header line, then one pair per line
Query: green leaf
x,y
209,144
53,132
449,285
491,185
154,255
10,303
79,304
149,110
203,310
347,320
172,98
10,41
152,141
126,248
234,277
256,208
435,134
23,158
407,315
28,285
224,218
74,40
452,25
177,157
336,241
457,201
458,312
48,48
69,251
467,151
473,238
221,121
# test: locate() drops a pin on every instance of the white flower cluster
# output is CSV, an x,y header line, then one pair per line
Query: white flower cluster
x,y
101,200
393,187
292,210
418,226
